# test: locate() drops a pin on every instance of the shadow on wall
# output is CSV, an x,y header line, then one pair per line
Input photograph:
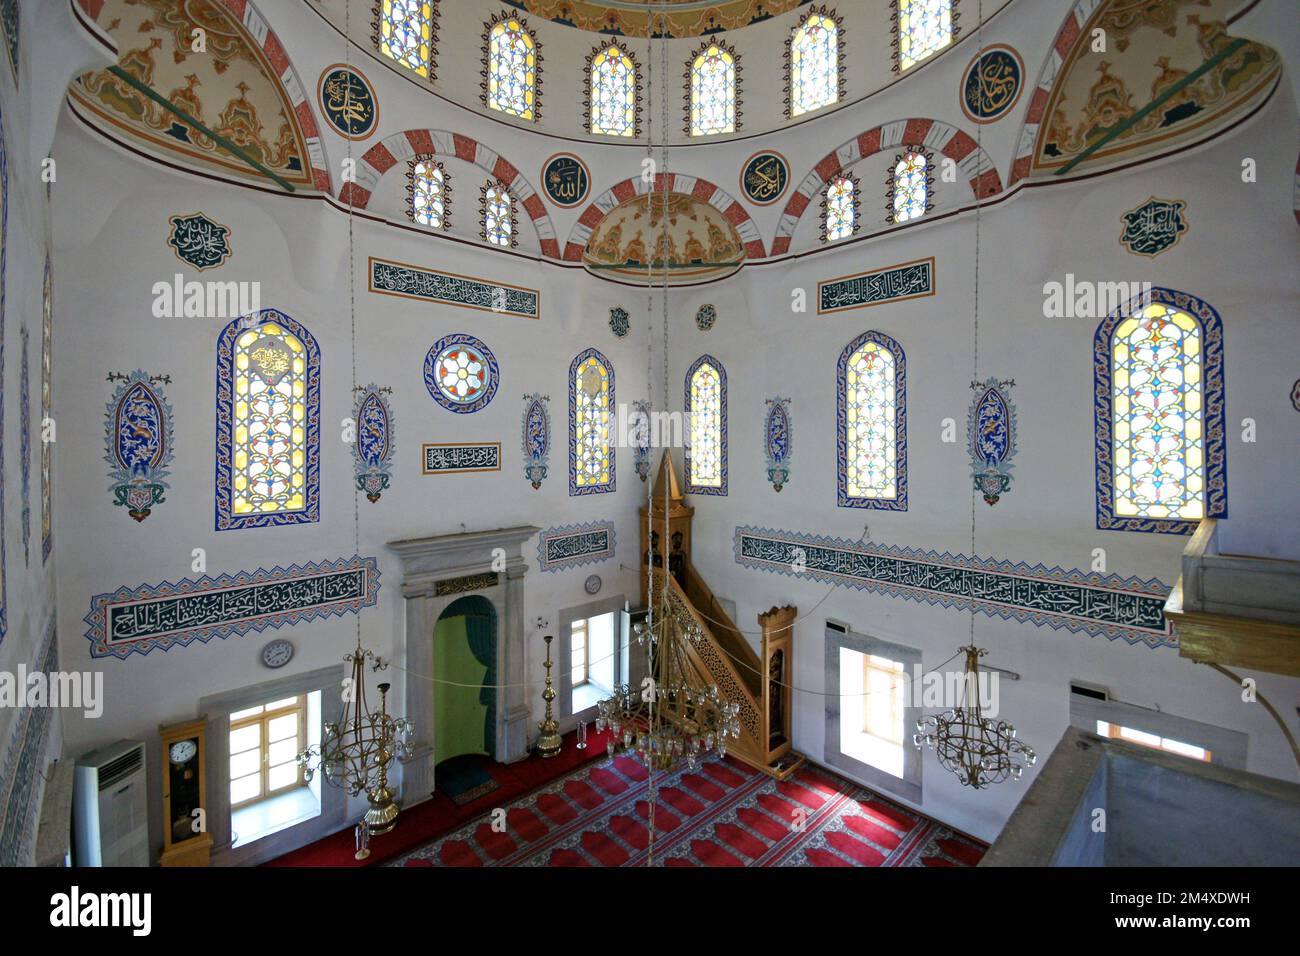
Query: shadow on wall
x,y
465,674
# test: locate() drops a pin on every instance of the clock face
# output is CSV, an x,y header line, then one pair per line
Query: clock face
x,y
277,653
183,751
592,584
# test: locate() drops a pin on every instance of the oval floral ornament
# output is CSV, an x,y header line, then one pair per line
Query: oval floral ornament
x,y
348,101
373,449
460,373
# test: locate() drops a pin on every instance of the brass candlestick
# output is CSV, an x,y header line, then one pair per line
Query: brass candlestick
x,y
548,744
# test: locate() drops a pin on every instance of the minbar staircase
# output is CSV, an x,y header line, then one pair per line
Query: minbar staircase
x,y
759,681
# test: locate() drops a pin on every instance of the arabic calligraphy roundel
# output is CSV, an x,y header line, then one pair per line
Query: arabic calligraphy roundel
x,y
566,179
764,177
461,373
348,101
992,83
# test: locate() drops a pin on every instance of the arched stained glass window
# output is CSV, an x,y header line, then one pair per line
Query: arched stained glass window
x,y
872,424
706,415
512,59
814,62
405,31
922,27
910,182
1159,413
428,191
840,201
612,106
591,412
712,92
268,422
499,223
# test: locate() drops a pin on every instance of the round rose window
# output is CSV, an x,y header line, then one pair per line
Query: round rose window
x,y
460,373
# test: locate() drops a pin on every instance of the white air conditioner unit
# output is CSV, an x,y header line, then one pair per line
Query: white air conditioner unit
x,y
110,816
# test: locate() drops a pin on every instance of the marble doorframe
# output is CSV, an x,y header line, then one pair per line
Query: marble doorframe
x,y
431,571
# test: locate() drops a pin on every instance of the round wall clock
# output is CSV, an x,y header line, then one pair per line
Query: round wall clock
x,y
183,751
277,653
592,584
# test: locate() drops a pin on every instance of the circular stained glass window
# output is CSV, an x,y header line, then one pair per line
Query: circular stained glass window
x,y
460,373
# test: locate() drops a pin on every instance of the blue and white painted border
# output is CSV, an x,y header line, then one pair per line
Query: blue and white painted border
x,y
1215,424
134,620
572,545
23,767
844,499
691,487
1127,609
226,519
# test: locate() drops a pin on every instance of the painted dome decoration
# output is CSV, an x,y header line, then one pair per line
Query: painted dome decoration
x,y
232,86
699,243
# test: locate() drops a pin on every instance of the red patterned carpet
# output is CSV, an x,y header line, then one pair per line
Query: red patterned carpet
x,y
723,813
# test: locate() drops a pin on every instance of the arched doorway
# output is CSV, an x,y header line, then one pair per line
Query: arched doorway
x,y
464,697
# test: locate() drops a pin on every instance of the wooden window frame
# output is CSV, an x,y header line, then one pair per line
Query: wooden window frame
x,y
264,747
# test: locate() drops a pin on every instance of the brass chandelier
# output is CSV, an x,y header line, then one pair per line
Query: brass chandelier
x,y
674,717
979,750
355,752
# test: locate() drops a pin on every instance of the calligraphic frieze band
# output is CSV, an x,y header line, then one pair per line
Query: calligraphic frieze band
x,y
414,282
575,544
907,280
1107,605
456,458
166,615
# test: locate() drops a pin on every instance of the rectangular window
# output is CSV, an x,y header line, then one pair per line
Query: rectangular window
x,y
872,696
579,653
264,745
1154,741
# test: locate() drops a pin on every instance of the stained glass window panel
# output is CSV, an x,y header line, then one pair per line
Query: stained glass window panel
x,y
406,33
591,406
871,422
613,93
1159,415
924,27
428,193
814,64
911,187
512,69
498,215
269,440
841,208
713,92
706,408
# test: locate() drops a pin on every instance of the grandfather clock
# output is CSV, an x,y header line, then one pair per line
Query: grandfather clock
x,y
669,539
186,841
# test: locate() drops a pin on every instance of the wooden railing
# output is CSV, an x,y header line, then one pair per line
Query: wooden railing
x,y
715,667
742,656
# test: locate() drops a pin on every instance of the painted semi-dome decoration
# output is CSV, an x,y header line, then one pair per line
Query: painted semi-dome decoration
x,y
1086,106
233,86
672,18
699,241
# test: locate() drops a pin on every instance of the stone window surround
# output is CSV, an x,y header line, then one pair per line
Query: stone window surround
x,y
908,787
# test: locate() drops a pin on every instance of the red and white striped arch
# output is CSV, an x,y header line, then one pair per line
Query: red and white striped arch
x,y
959,146
391,150
274,51
700,189
1065,39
